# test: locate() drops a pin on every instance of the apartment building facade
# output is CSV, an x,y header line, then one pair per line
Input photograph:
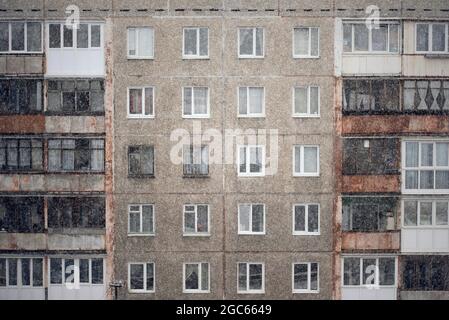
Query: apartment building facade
x,y
223,150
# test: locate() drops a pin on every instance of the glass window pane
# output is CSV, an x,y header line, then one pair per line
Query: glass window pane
x,y
136,277
187,101
256,156
204,276
84,271
17,36
426,179
190,41
256,100
314,50
310,160
150,277
411,179
134,222
4,36
202,219
68,37
26,271
387,271
97,271
55,36
243,100
95,36
302,41
442,154
2,272
314,100
412,154
191,277
34,36
200,100
410,213
145,40
425,213
259,42
301,276
313,218
442,179
37,272
442,213
394,38
347,37
438,37
427,154
314,276
422,37
204,41
297,159
149,101
147,219
244,217
82,38
189,222
246,42
380,38
255,276
301,100
361,37
55,271
135,101
351,269
300,218
369,271
242,160
132,48
242,274
69,270
258,218
12,271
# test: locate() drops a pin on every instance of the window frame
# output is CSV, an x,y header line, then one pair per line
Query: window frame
x,y
18,149
191,156
249,114
370,39
145,289
248,290
377,275
140,174
309,90
306,221
196,233
141,233
248,172
200,271
252,233
75,36
136,56
419,226
254,46
25,38
309,55
309,278
19,272
301,173
197,56
76,264
430,40
141,115
434,168
195,115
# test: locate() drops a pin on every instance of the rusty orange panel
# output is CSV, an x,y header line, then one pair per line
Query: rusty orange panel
x,y
395,124
374,183
22,124
370,240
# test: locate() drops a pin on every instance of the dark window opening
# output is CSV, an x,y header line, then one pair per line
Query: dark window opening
x,y
370,156
141,160
76,97
22,96
21,214
20,154
77,212
428,273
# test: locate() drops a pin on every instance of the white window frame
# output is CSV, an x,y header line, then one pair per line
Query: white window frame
x,y
251,56
309,55
141,233
195,115
25,45
76,271
420,168
309,278
370,42
195,56
301,173
243,232
196,233
136,56
308,114
145,290
248,113
248,290
142,115
376,283
19,272
75,36
247,172
199,290
306,223
434,224
430,43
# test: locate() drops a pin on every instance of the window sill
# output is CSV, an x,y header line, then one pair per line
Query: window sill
x,y
195,58
251,57
22,172
251,292
195,291
75,114
194,176
306,291
250,116
138,235
140,58
306,233
140,291
201,235
141,176
140,117
251,175
296,175
206,116
252,234
375,54
305,116
436,55
306,57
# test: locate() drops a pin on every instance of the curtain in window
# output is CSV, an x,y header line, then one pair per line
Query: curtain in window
x,y
200,96
145,42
